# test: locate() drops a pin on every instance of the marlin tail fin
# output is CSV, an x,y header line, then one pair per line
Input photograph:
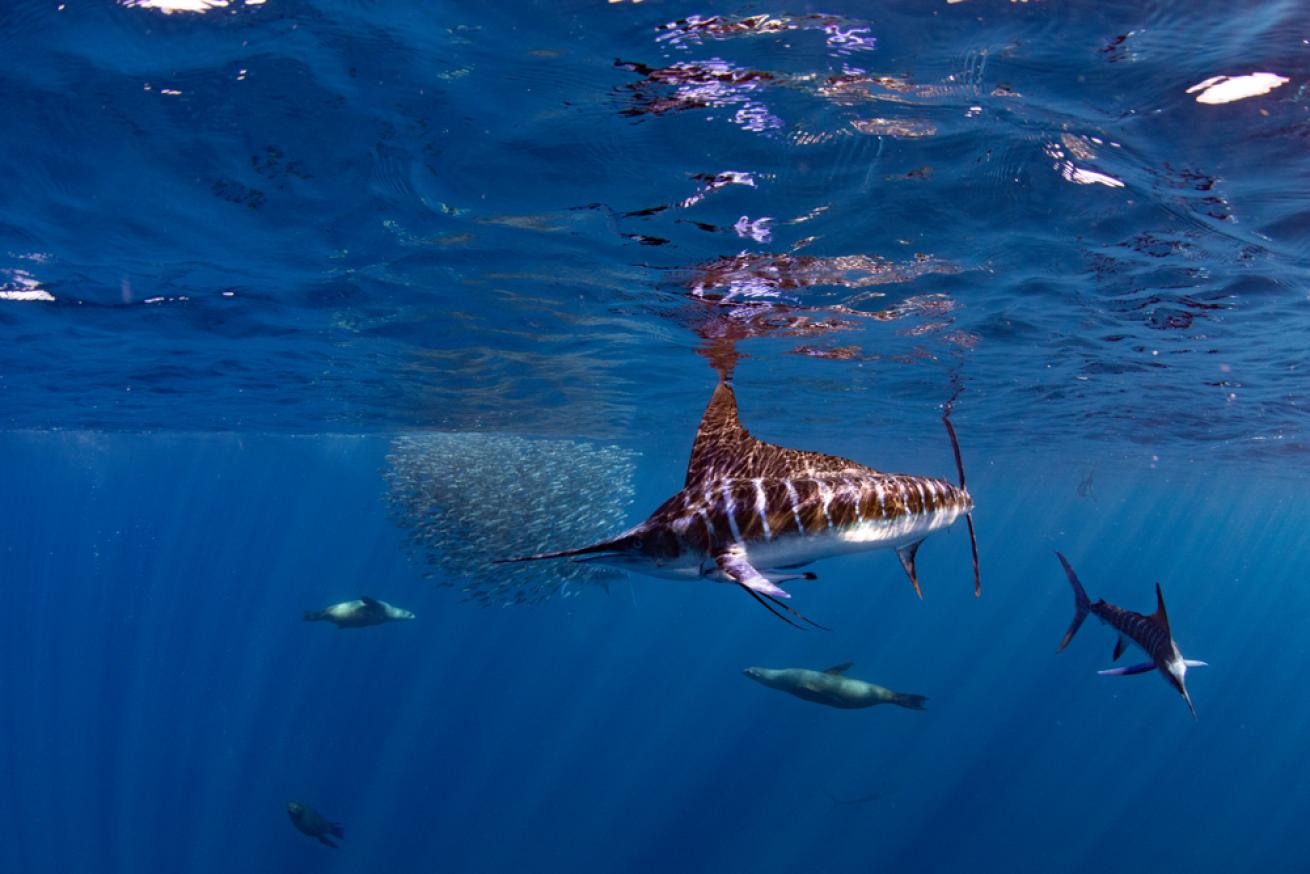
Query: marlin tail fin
x,y
968,517
1081,604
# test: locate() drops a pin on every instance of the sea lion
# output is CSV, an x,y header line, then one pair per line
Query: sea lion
x,y
831,688
309,821
358,614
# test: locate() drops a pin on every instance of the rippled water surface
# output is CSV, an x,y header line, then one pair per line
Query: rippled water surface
x,y
354,216
303,300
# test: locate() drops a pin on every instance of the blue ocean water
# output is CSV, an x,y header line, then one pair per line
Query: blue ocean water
x,y
303,300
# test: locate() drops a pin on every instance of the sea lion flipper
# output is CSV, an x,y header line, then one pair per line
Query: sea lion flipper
x,y
372,603
323,839
840,669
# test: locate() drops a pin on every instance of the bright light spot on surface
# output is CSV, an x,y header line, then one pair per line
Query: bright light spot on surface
x,y
168,7
22,285
757,230
22,294
1090,177
1226,89
1070,171
899,128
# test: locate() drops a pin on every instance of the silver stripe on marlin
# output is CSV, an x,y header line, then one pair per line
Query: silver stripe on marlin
x,y
795,510
825,495
730,510
762,507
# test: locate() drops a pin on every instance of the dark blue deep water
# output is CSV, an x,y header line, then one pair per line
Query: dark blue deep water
x,y
302,300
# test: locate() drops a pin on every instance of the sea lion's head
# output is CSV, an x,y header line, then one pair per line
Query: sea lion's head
x,y
764,676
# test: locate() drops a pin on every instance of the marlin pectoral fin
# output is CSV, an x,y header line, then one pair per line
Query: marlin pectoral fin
x,y
735,565
1120,645
906,555
778,579
764,602
1131,669
797,614
766,606
1194,663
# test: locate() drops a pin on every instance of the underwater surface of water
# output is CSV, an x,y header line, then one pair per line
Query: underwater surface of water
x,y
303,300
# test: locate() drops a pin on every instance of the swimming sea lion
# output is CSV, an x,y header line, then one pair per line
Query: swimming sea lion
x,y
831,688
309,821
358,614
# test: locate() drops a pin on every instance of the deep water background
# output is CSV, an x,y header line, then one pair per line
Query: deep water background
x,y
243,248
163,700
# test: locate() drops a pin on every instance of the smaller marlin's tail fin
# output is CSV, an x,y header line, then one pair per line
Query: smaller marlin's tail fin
x,y
911,702
1081,603
313,615
336,829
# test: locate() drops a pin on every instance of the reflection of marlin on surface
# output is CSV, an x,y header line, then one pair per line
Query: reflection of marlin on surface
x,y
751,513
1151,633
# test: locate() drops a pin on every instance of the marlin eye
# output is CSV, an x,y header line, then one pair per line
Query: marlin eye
x,y
636,543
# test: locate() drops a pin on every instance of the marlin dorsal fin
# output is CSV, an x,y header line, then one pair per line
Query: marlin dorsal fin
x,y
840,669
724,449
1160,615
720,436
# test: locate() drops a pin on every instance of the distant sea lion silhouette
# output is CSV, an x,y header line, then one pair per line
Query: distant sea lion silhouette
x,y
359,614
309,821
831,688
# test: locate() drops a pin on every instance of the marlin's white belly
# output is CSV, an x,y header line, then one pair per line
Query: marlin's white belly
x,y
793,550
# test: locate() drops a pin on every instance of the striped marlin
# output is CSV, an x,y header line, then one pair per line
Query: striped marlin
x,y
751,513
1151,633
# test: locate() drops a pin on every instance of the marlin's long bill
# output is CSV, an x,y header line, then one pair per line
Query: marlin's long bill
x,y
605,546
